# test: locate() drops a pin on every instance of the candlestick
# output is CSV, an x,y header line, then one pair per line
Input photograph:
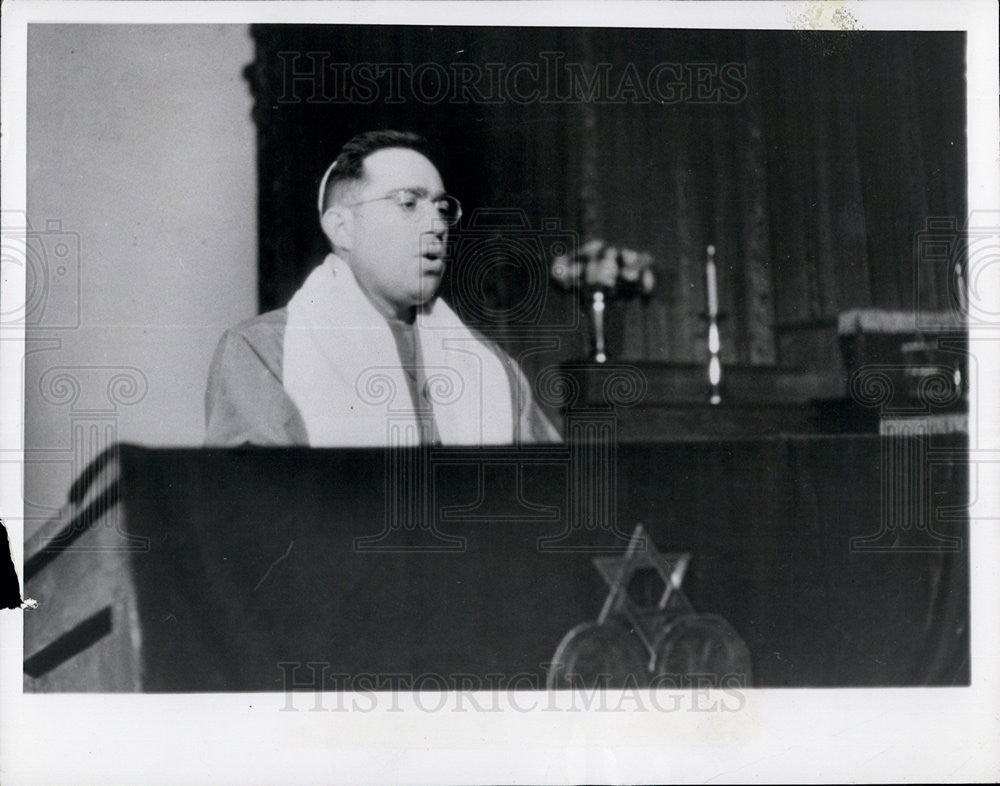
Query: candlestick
x,y
714,365
961,294
597,310
714,362
711,283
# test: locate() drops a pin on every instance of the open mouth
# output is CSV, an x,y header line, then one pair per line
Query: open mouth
x,y
433,262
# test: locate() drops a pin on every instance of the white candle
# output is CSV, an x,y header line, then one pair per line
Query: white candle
x,y
713,289
714,370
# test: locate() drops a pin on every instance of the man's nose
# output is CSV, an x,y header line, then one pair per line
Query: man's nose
x,y
438,226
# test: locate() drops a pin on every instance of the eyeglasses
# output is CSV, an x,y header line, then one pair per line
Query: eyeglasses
x,y
409,200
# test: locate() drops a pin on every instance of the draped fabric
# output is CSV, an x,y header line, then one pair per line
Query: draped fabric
x,y
250,559
865,144
812,166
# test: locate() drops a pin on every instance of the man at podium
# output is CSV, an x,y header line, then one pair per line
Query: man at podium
x,y
366,353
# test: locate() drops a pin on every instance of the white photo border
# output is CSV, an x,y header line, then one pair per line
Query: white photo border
x,y
945,734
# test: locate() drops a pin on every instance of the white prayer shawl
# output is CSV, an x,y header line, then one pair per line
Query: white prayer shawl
x,y
343,370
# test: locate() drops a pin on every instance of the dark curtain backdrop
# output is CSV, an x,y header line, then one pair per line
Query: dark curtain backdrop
x,y
812,179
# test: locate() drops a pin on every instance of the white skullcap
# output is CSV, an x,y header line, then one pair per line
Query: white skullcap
x,y
322,187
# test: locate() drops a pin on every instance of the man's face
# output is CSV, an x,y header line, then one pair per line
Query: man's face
x,y
397,251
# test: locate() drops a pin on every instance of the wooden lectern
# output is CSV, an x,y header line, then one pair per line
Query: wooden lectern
x,y
234,570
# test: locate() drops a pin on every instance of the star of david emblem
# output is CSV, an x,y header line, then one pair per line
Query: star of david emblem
x,y
639,636
618,573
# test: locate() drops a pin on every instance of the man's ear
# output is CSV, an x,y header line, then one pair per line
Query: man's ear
x,y
338,226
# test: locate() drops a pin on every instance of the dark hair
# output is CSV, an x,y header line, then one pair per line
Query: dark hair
x,y
348,167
